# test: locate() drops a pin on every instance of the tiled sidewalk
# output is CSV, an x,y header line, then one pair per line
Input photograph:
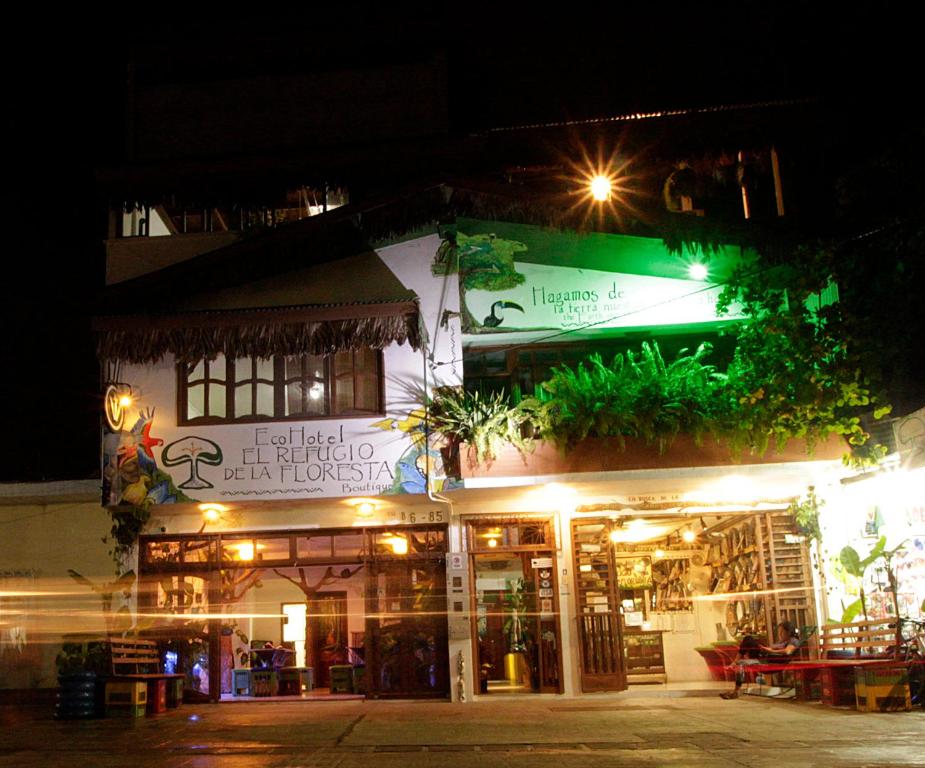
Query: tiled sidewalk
x,y
605,730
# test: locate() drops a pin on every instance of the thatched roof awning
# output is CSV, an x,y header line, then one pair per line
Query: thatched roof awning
x,y
316,330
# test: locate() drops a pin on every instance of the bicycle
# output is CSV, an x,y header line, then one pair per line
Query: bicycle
x,y
912,651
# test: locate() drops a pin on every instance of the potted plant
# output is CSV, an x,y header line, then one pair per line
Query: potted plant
x,y
81,669
516,668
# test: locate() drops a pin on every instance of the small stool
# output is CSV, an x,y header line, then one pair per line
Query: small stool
x,y
341,678
263,682
157,696
290,681
308,678
241,682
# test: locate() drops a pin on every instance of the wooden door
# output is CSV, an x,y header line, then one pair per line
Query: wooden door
x,y
597,595
327,634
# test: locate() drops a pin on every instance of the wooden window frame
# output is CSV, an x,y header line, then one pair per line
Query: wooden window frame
x,y
279,384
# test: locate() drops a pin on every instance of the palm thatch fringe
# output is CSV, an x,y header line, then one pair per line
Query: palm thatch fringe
x,y
150,344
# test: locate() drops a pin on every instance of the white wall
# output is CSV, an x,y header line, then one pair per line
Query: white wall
x,y
316,458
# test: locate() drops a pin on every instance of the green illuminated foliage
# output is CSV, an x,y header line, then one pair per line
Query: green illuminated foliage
x,y
485,422
634,396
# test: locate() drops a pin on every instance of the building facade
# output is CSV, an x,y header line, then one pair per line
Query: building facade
x,y
275,449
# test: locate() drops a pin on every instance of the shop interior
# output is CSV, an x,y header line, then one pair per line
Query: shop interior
x,y
678,590
289,616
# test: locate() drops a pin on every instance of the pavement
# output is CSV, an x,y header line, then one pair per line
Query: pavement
x,y
587,732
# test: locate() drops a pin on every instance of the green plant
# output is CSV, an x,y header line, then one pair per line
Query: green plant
x,y
805,512
857,567
799,369
82,656
635,396
127,524
486,422
516,612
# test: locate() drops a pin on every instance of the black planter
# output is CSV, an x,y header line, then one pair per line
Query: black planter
x,y
78,697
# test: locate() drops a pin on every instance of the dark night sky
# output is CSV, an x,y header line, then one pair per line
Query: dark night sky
x,y
66,119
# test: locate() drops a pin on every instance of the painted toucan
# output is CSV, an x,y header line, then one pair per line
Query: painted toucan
x,y
494,319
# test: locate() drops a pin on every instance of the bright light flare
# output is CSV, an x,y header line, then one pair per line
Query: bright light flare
x,y
697,271
688,535
601,187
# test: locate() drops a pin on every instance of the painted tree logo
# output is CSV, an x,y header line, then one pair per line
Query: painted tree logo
x,y
192,450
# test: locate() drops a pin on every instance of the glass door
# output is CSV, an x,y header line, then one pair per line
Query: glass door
x,y
518,647
406,641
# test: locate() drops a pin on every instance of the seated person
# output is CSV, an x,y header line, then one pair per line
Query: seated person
x,y
752,652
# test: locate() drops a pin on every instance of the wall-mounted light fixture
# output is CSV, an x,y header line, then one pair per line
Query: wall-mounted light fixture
x,y
212,512
117,399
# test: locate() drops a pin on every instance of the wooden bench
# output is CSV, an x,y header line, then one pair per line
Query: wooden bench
x,y
137,682
843,648
878,639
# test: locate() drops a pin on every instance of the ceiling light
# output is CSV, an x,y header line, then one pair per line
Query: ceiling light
x,y
365,509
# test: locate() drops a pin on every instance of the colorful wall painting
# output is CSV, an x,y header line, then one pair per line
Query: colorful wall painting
x,y
130,472
164,463
591,285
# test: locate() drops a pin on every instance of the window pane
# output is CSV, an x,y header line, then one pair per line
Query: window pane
x,y
243,405
264,400
344,394
272,549
217,401
367,360
313,547
217,368
265,369
343,363
195,401
242,369
293,366
314,402
163,552
197,371
197,551
348,544
367,394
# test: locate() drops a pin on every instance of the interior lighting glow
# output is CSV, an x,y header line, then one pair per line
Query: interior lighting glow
x,y
688,535
616,536
492,543
601,188
246,550
399,545
697,271
659,553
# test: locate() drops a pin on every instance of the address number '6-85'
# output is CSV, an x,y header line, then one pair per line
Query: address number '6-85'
x,y
433,516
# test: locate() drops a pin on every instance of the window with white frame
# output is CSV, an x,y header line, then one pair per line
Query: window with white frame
x,y
280,388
